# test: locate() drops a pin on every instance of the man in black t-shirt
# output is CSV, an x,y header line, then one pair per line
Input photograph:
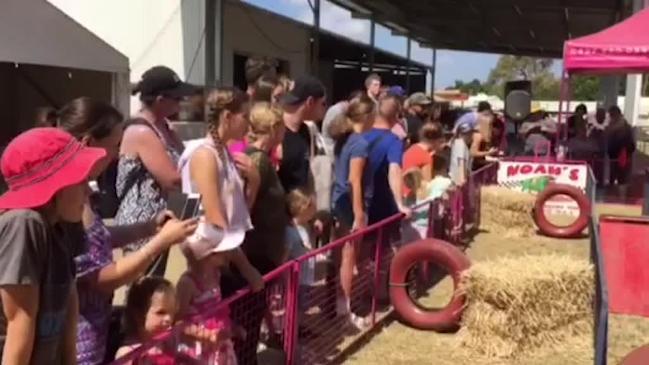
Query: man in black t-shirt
x,y
306,101
580,114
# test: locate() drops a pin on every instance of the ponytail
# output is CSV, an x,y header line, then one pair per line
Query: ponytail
x,y
340,130
342,127
46,117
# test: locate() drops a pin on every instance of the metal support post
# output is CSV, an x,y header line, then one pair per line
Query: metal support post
x,y
315,39
213,42
433,71
408,56
372,44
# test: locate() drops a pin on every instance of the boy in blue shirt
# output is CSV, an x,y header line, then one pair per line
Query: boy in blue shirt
x,y
384,161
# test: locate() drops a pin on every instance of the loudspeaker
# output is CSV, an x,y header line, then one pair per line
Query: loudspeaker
x,y
518,99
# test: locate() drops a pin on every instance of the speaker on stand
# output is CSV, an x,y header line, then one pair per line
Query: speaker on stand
x,y
518,104
518,99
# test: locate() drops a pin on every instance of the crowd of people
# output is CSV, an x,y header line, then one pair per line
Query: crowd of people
x,y
274,170
603,137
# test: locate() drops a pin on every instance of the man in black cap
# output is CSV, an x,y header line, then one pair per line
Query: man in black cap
x,y
306,101
417,104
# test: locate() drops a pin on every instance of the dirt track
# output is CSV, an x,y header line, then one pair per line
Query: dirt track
x,y
398,344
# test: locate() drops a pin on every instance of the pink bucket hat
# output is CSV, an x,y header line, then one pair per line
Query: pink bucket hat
x,y
40,162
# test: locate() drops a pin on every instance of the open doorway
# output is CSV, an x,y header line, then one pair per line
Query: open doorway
x,y
25,88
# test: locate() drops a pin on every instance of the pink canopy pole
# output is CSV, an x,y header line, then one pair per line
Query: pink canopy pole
x,y
560,115
562,98
568,101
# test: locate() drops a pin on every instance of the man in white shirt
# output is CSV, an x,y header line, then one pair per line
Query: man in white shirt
x,y
373,86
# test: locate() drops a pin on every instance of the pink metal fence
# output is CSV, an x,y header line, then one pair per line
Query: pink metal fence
x,y
300,323
465,203
243,307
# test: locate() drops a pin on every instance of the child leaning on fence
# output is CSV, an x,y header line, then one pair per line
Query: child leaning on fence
x,y
199,292
422,192
151,309
300,235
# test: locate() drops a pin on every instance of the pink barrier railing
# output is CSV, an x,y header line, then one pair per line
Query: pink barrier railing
x,y
465,202
301,321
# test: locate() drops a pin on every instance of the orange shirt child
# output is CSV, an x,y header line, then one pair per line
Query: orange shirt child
x,y
416,157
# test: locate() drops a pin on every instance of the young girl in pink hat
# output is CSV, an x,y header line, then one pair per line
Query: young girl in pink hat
x,y
46,170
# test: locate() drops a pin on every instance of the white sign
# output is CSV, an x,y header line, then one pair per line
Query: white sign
x,y
532,177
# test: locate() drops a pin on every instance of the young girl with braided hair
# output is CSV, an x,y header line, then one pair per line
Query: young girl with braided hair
x,y
227,184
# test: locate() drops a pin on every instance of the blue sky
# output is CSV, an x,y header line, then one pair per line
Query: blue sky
x,y
451,65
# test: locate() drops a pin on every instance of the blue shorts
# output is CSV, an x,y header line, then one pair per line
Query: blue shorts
x,y
343,211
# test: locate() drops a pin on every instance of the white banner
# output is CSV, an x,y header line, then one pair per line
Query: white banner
x,y
533,177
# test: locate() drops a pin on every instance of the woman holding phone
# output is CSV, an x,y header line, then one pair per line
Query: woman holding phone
x,y
99,125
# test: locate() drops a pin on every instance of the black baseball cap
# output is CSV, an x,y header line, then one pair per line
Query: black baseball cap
x,y
161,80
304,87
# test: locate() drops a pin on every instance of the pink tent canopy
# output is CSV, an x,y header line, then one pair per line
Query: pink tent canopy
x,y
622,48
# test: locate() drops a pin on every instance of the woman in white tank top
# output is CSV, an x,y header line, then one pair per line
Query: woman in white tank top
x,y
226,184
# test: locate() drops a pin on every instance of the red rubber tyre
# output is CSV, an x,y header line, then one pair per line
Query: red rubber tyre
x,y
451,260
639,356
569,231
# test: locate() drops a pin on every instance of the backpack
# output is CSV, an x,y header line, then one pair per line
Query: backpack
x,y
322,174
105,198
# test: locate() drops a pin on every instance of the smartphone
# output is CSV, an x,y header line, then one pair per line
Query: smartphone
x,y
192,207
176,203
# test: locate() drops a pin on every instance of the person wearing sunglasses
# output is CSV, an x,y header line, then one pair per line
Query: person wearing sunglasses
x,y
149,153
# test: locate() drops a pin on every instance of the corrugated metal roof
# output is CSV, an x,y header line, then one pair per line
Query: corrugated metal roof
x,y
524,27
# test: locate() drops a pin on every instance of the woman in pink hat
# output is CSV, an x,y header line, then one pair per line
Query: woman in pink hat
x,y
46,170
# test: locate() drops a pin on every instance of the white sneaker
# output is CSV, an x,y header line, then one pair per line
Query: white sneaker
x,y
343,307
360,322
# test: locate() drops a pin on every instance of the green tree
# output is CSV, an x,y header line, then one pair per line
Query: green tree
x,y
545,85
585,88
473,87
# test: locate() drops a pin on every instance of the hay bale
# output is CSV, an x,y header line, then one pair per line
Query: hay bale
x,y
507,212
519,305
